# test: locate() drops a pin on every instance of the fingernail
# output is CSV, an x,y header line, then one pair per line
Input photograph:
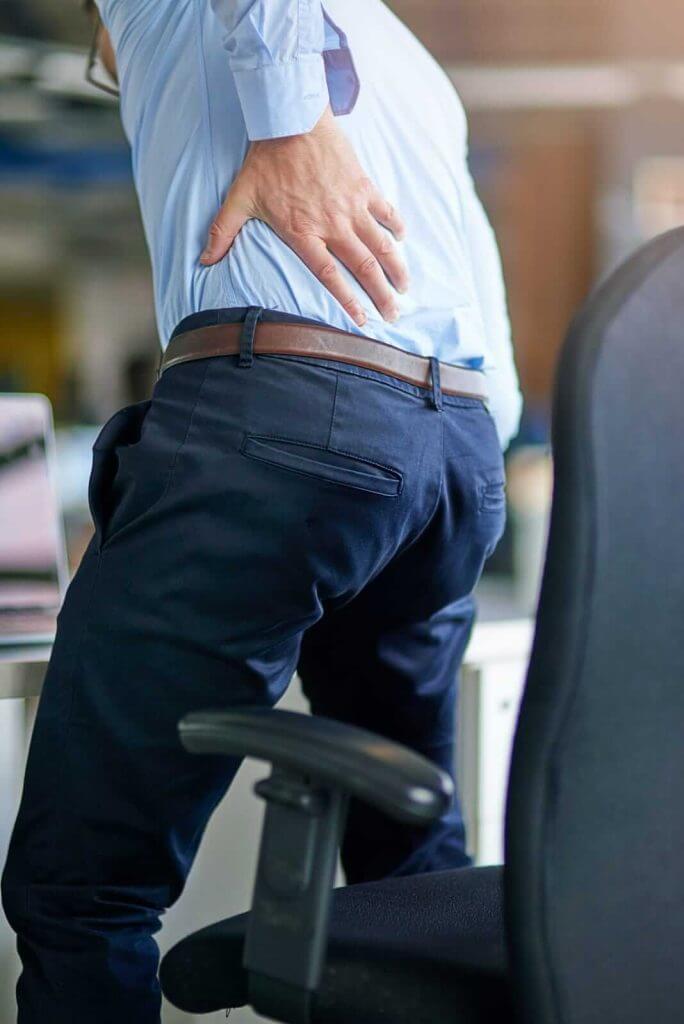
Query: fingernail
x,y
206,256
392,316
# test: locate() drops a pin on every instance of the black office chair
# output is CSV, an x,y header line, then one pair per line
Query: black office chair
x,y
592,894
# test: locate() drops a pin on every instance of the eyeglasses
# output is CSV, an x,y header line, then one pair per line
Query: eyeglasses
x,y
96,72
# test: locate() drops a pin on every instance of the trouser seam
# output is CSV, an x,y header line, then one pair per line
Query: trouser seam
x,y
332,415
433,512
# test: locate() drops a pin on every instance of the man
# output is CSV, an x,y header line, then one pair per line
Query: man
x,y
295,495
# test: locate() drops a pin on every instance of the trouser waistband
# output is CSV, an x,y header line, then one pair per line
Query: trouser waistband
x,y
254,336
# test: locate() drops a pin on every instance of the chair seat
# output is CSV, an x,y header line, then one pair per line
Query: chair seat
x,y
426,949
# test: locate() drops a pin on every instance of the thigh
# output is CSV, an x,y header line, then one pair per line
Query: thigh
x,y
389,660
224,522
113,808
150,630
398,678
110,795
226,518
393,676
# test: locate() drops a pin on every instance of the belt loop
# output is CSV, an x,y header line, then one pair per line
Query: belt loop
x,y
436,384
247,336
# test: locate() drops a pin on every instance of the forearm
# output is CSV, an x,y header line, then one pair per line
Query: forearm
x,y
274,49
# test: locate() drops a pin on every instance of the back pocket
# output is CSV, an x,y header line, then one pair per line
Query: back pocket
x,y
122,430
324,464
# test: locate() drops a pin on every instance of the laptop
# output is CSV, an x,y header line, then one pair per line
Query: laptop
x,y
33,562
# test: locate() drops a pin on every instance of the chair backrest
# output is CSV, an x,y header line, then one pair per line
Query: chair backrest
x,y
595,820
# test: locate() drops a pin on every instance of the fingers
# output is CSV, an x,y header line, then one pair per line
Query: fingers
x,y
385,213
229,222
360,243
314,252
381,245
366,268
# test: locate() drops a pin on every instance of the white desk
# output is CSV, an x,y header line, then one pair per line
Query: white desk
x,y
492,685
22,670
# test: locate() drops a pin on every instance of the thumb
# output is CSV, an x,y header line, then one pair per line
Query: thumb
x,y
232,216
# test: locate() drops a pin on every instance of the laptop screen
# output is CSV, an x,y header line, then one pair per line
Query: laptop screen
x,y
32,562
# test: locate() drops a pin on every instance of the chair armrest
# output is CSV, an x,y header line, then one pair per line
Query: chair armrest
x,y
402,784
317,764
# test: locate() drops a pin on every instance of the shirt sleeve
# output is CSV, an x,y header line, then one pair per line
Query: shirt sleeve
x,y
275,50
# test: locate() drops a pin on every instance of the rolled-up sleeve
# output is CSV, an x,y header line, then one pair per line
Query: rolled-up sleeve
x,y
275,51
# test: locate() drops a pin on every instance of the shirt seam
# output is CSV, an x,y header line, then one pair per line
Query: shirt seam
x,y
210,171
298,48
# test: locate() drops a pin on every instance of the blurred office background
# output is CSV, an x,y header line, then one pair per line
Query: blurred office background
x,y
576,110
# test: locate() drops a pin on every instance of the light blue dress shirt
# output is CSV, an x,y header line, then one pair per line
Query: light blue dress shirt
x,y
280,52
201,78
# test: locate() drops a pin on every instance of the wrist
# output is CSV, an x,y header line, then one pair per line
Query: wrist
x,y
326,124
324,128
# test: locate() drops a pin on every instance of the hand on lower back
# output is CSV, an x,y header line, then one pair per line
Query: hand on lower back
x,y
312,191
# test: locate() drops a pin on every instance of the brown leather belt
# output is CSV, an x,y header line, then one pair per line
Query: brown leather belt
x,y
288,339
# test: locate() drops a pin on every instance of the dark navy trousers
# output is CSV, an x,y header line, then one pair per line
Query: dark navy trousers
x,y
250,521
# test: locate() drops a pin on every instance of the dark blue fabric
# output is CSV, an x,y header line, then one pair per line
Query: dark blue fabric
x,y
247,521
436,384
249,326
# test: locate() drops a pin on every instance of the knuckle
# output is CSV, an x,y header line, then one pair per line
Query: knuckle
x,y
340,229
385,247
305,245
367,266
327,271
215,231
334,214
337,240
300,224
382,210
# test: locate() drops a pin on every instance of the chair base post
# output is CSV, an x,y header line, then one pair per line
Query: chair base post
x,y
287,934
